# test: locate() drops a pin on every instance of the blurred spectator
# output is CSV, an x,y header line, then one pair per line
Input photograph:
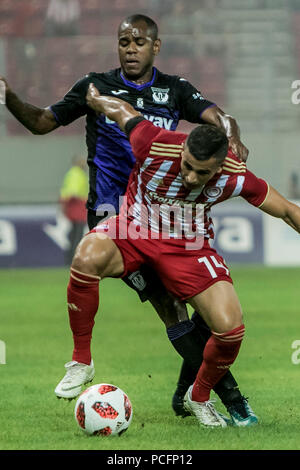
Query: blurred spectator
x,y
62,18
73,196
177,26
295,4
178,20
208,29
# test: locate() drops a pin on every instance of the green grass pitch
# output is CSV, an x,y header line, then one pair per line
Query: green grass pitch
x,y
131,350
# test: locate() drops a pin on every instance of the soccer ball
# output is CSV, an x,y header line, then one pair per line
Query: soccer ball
x,y
103,410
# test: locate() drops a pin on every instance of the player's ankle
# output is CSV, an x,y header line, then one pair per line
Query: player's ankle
x,y
82,357
182,388
229,396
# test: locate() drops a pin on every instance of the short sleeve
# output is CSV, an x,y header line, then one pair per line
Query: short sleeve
x,y
255,190
73,105
191,101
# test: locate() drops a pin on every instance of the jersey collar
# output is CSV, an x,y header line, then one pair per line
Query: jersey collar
x,y
143,85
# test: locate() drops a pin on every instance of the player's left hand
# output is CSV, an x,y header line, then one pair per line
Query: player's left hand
x,y
238,148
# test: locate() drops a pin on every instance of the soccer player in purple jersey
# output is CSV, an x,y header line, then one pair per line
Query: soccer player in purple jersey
x,y
164,100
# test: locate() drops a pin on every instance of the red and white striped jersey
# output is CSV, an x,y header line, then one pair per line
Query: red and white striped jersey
x,y
156,197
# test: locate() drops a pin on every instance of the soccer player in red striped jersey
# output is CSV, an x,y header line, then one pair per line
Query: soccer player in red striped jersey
x,y
165,100
188,173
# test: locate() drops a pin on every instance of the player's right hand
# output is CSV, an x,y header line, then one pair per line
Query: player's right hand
x,y
93,99
91,95
238,148
100,103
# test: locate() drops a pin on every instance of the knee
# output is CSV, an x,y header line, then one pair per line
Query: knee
x,y
230,339
228,320
230,324
233,336
82,261
89,257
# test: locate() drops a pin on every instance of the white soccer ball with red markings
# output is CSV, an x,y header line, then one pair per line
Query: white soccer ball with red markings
x,y
103,410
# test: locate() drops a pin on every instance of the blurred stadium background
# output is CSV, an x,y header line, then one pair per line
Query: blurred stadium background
x,y
242,55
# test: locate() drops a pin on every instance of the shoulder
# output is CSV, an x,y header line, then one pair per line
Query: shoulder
x,y
164,77
152,136
233,165
82,83
89,77
167,144
96,76
171,80
179,86
102,76
147,128
101,81
170,138
154,142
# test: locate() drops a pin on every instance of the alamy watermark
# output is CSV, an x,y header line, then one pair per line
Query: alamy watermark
x,y
2,352
295,98
295,358
165,219
2,92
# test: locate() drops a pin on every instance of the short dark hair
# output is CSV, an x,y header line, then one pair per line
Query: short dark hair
x,y
206,141
152,26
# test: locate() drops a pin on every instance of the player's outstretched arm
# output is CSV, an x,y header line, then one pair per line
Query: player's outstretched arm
x,y
278,206
215,115
114,108
36,120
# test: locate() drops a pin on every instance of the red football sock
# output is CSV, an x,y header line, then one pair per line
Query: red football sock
x,y
83,302
219,353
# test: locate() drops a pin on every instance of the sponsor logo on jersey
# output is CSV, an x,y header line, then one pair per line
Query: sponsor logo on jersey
x,y
118,92
171,201
212,191
140,103
160,95
109,121
159,121
198,96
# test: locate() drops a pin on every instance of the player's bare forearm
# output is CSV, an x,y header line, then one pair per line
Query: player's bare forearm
x,y
36,120
115,109
278,206
292,216
293,219
215,115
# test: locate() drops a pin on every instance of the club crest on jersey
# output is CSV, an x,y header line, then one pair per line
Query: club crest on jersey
x,y
160,95
137,280
140,103
212,191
